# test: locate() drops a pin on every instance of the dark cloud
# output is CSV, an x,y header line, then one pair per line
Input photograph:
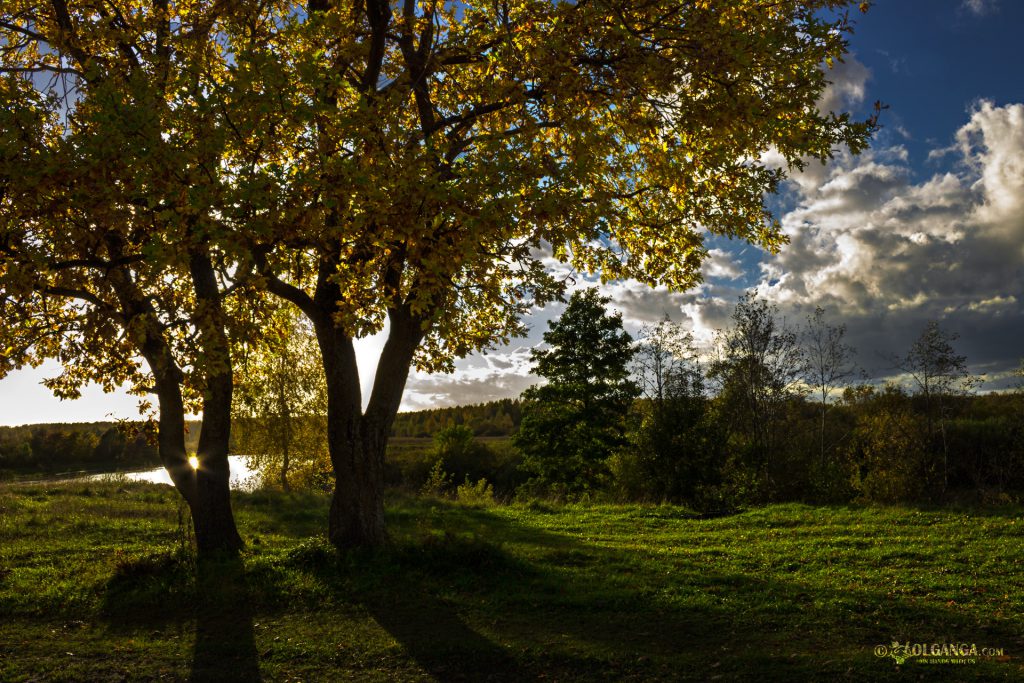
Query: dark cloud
x,y
886,255
882,251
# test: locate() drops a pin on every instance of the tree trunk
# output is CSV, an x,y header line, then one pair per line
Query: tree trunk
x,y
285,430
171,435
285,486
357,442
824,405
212,515
214,520
206,489
356,517
357,505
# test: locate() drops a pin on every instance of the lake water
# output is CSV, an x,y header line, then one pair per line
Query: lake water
x,y
242,478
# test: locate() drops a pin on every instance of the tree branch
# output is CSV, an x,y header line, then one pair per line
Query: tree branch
x,y
81,294
287,291
34,35
378,13
40,69
60,9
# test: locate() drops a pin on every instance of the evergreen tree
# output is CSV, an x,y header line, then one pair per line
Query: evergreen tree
x,y
572,424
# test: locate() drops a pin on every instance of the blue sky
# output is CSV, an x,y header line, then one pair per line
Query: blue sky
x,y
930,60
927,224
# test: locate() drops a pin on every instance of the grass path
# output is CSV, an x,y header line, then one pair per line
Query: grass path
x,y
95,586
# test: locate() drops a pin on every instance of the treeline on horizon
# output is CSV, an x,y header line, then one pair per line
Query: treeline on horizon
x,y
775,414
493,418
68,446
878,448
713,437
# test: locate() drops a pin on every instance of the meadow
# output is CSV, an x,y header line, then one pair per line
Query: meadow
x,y
98,583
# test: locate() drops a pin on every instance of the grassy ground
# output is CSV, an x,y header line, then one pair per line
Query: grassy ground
x,y
95,586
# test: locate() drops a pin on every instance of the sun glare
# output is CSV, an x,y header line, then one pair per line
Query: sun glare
x,y
194,461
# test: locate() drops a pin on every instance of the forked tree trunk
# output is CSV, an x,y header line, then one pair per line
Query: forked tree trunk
x,y
356,441
205,489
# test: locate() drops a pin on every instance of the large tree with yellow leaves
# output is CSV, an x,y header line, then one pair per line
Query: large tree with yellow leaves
x,y
413,164
113,184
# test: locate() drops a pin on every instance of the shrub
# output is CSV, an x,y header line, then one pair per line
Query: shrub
x,y
892,460
439,482
478,493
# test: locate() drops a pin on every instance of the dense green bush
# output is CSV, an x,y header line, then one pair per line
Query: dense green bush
x,y
674,451
893,464
453,456
987,456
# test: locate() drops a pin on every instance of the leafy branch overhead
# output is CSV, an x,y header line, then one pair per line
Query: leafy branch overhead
x,y
437,149
455,144
166,166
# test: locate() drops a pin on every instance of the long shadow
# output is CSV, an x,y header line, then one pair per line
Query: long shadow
x,y
452,602
425,594
410,589
435,636
472,595
167,590
225,646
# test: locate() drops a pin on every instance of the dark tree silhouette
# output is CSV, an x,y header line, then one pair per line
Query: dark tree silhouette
x,y
573,423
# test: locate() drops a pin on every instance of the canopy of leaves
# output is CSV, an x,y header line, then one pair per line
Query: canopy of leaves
x,y
439,151
424,156
113,155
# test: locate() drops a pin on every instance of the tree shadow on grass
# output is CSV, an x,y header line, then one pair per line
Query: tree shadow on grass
x,y
432,633
466,608
410,590
442,597
166,589
225,647
476,595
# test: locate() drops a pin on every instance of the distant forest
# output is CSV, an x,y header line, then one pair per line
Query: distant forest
x,y
494,418
61,447
875,437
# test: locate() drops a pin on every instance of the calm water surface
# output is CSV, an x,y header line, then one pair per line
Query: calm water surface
x,y
242,478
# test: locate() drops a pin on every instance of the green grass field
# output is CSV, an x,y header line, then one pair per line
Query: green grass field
x,y
97,584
